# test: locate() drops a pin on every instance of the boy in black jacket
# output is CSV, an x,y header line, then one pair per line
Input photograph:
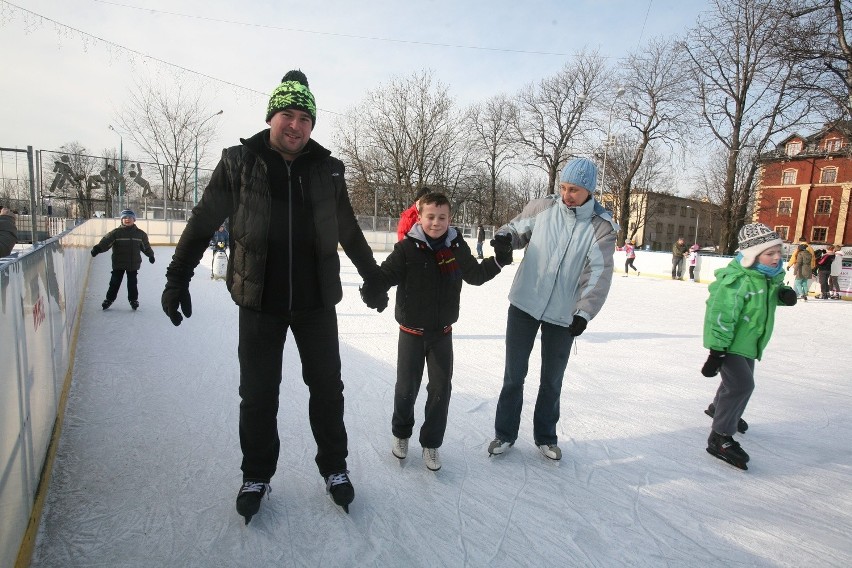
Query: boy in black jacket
x,y
428,267
127,242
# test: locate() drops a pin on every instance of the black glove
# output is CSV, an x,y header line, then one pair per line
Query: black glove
x,y
151,259
96,250
713,364
578,326
374,293
787,296
176,298
502,245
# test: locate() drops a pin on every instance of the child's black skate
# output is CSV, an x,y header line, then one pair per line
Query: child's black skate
x,y
340,488
727,449
106,304
134,304
742,425
249,498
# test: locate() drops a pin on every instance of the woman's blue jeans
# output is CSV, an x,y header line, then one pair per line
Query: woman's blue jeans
x,y
556,340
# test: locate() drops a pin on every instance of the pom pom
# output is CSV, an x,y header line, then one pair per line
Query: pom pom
x,y
296,75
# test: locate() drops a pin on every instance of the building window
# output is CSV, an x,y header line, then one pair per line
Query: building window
x,y
670,229
659,228
793,148
661,207
683,211
788,177
819,234
828,175
823,206
680,230
672,209
785,206
833,145
692,212
782,231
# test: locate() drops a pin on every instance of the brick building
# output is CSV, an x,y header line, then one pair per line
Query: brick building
x,y
805,185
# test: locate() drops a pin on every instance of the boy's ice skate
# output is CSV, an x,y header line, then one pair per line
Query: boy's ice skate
x,y
498,446
340,488
134,305
742,425
431,459
727,449
249,498
105,304
400,447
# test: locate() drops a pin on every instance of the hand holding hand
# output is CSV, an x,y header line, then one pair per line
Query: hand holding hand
x,y
713,364
374,293
502,245
578,326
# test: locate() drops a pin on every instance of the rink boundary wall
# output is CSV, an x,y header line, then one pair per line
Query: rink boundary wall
x,y
41,303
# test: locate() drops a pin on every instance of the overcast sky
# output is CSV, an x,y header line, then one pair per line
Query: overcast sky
x,y
70,64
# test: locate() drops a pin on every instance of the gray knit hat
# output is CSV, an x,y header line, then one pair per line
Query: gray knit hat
x,y
755,238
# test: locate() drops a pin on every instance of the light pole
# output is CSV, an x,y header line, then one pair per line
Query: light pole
x,y
195,189
697,217
618,94
120,168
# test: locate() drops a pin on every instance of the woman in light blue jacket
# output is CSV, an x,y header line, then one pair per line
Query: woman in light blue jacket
x,y
561,284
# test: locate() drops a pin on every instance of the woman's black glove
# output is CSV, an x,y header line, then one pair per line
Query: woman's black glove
x,y
578,326
502,245
713,364
176,298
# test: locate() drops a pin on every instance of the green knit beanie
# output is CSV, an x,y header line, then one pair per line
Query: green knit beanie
x,y
293,93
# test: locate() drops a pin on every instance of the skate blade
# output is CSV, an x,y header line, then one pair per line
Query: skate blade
x,y
736,464
247,518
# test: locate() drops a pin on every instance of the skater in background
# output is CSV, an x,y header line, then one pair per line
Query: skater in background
x,y
8,231
408,217
557,297
802,271
834,275
220,236
480,238
738,322
692,260
679,252
791,262
128,243
824,272
629,249
289,209
428,267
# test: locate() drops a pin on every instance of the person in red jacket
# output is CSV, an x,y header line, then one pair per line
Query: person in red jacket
x,y
408,218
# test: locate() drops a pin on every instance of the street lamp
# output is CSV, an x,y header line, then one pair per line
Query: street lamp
x,y
120,168
195,190
697,217
618,94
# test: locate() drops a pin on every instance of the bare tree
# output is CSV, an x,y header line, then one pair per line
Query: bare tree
x,y
744,88
656,111
551,115
167,125
403,136
490,125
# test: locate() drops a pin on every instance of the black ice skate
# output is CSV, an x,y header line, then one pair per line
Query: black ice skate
x,y
742,425
249,498
340,488
134,304
106,304
727,449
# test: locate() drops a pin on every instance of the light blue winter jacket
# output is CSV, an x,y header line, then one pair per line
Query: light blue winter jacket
x,y
567,267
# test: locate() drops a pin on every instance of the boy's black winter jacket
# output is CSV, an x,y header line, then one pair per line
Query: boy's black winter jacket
x,y
427,297
127,243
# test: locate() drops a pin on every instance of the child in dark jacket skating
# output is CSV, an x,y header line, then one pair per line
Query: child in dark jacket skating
x,y
428,267
738,323
126,242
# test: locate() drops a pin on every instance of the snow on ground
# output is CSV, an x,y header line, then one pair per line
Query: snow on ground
x,y
148,463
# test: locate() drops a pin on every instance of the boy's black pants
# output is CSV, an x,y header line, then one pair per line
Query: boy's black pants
x,y
115,284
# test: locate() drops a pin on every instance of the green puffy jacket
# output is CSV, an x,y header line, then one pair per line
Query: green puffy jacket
x,y
740,311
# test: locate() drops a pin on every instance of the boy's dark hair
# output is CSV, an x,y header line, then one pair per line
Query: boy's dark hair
x,y
434,198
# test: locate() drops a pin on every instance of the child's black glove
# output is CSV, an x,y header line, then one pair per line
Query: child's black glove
x,y
578,326
96,250
151,259
374,293
787,296
502,245
713,364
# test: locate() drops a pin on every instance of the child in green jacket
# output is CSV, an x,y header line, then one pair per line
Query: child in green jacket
x,y
738,323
